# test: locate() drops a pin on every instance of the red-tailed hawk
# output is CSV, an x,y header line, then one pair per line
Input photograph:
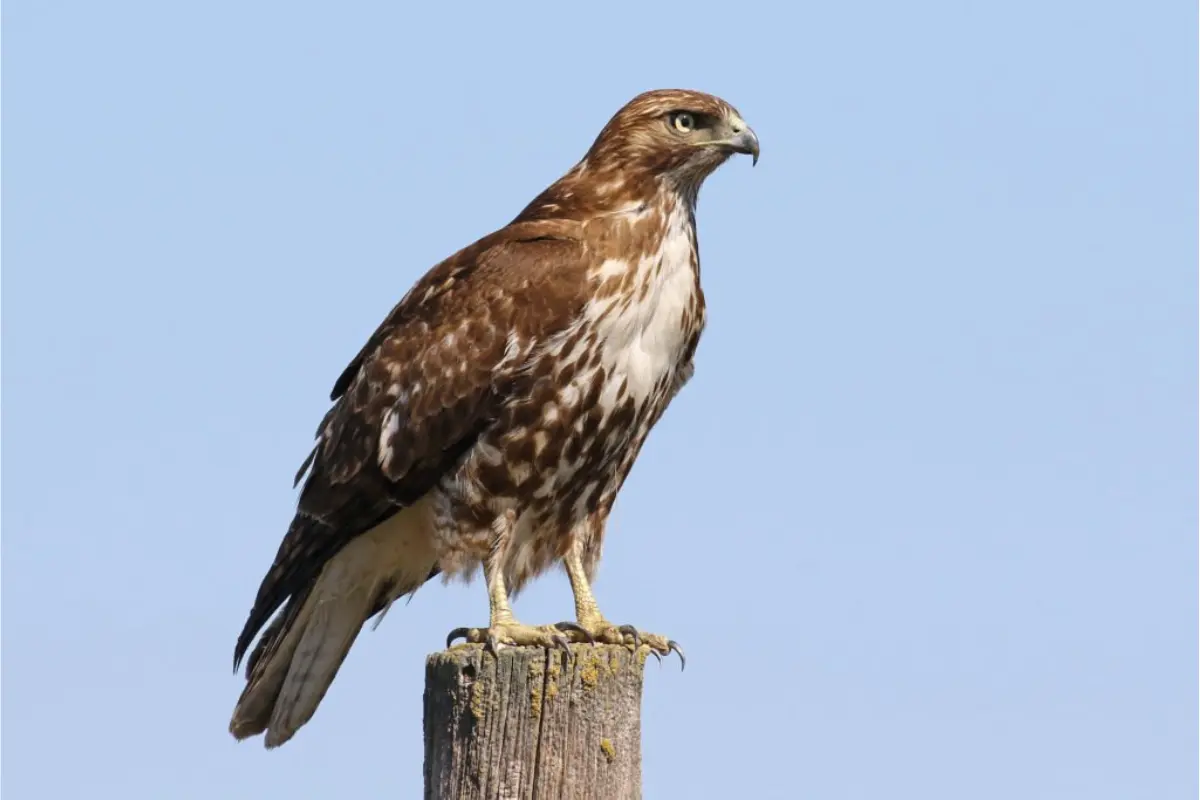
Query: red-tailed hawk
x,y
493,416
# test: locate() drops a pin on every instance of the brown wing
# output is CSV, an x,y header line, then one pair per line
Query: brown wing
x,y
418,395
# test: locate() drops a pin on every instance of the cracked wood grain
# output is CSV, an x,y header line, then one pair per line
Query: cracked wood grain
x,y
533,724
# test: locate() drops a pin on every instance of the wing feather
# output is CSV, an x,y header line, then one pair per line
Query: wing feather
x,y
412,402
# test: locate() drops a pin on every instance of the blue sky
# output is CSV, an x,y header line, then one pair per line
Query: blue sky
x,y
924,520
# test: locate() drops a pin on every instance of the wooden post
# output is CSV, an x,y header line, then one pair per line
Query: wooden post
x,y
534,723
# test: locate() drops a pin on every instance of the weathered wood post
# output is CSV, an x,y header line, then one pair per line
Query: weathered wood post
x,y
534,723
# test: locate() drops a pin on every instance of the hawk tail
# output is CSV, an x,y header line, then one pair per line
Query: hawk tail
x,y
300,652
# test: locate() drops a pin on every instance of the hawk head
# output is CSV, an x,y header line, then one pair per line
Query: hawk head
x,y
674,133
666,139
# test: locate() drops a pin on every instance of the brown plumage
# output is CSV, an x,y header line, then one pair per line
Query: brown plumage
x,y
493,416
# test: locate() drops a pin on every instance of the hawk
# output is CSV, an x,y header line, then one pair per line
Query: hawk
x,y
493,416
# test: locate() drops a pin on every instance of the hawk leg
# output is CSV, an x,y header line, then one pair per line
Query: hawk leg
x,y
503,628
593,627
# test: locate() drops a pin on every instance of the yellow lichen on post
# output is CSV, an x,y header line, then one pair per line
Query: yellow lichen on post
x,y
552,676
535,700
536,681
589,675
477,701
610,752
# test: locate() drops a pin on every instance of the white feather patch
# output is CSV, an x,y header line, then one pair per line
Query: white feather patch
x,y
643,341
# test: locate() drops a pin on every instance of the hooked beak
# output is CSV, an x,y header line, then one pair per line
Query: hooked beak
x,y
746,141
741,138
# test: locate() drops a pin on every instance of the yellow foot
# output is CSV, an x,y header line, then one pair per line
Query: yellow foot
x,y
511,633
601,630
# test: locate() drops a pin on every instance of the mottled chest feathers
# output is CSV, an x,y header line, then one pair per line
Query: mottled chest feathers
x,y
648,309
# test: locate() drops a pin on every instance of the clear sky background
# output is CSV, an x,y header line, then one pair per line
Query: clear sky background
x,y
924,520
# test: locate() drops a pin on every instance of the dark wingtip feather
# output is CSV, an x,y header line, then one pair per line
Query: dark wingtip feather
x,y
243,644
304,467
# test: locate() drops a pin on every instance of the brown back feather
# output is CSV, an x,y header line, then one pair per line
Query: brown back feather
x,y
526,278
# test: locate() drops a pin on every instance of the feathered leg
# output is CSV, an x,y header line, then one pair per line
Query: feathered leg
x,y
503,628
592,626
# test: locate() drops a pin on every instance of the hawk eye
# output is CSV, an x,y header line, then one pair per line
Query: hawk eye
x,y
683,122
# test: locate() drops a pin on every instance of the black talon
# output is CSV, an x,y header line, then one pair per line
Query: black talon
x,y
562,643
654,653
582,631
673,645
454,634
629,630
